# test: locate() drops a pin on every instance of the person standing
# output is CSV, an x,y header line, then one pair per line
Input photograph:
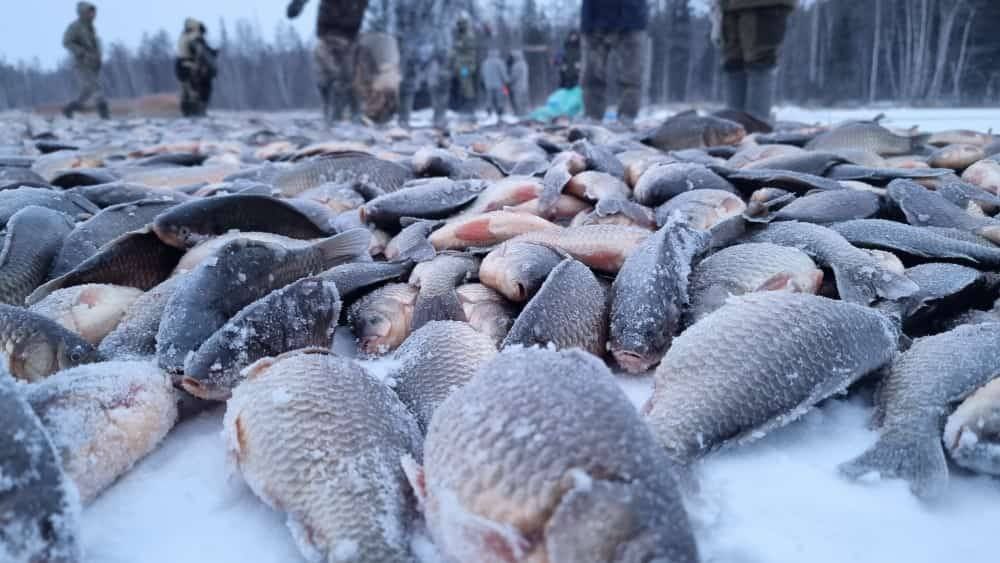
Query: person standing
x,y
568,62
751,34
195,68
495,80
425,50
337,26
519,83
613,28
465,67
80,39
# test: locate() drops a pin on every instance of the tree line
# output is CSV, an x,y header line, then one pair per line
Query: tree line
x,y
836,52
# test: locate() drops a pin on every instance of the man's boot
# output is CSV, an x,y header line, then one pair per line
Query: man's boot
x,y
70,109
735,85
103,110
760,92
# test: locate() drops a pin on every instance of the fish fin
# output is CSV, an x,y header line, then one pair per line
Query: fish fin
x,y
346,246
43,291
415,476
441,307
897,455
553,184
863,288
777,282
991,232
422,251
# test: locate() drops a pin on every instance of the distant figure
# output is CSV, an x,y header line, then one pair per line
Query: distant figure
x,y
337,26
519,83
195,68
81,40
495,80
751,33
377,76
465,65
568,62
613,27
425,47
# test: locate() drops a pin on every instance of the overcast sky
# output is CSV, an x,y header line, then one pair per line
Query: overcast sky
x,y
34,28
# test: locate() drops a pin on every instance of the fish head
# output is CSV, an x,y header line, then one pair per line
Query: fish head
x,y
381,323
518,270
178,235
204,388
724,132
72,353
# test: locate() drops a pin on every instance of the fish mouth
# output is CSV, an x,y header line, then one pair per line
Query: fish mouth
x,y
202,391
372,345
632,362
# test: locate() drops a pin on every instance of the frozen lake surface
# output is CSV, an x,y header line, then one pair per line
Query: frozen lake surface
x,y
778,500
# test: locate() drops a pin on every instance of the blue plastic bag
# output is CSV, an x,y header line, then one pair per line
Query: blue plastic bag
x,y
563,102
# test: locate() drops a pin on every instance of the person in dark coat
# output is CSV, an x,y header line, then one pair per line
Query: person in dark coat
x,y
613,28
80,39
337,27
568,62
195,68
751,34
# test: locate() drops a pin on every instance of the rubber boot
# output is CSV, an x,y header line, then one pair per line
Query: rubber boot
x,y
760,93
70,109
405,106
735,84
103,110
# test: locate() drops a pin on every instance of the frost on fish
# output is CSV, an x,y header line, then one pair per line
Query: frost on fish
x,y
39,505
318,438
860,277
758,363
541,457
923,384
972,433
104,417
650,292
90,310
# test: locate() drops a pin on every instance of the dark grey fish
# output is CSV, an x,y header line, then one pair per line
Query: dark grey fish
x,y
570,310
923,385
750,123
632,213
138,259
172,159
135,335
759,363
923,207
244,272
794,138
764,202
882,176
117,193
518,269
750,180
831,207
688,130
808,162
411,243
14,175
112,222
860,277
434,361
83,177
427,199
366,172
69,203
382,319
961,193
433,161
916,241
194,221
302,314
356,276
437,280
41,508
944,290
599,158
661,182
36,347
650,293
867,135
34,237
562,169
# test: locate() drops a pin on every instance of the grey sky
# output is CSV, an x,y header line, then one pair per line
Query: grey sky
x,y
34,28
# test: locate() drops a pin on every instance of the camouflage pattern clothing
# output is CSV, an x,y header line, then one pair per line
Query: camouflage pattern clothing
x,y
751,36
195,68
80,39
377,76
598,50
465,65
569,63
425,52
338,23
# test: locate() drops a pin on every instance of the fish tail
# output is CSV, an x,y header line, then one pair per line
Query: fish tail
x,y
345,247
863,285
437,307
898,456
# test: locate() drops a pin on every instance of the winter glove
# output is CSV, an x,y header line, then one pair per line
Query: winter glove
x,y
295,8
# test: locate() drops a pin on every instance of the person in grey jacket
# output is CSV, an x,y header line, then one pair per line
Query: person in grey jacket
x,y
81,41
519,83
495,80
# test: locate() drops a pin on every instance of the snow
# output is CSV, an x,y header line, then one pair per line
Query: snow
x,y
776,500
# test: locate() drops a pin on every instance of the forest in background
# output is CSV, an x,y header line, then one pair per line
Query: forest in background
x,y
837,52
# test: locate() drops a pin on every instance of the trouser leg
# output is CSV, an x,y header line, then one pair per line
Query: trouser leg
x,y
735,83
595,59
630,51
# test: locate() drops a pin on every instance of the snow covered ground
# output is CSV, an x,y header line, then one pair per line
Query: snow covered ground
x,y
778,500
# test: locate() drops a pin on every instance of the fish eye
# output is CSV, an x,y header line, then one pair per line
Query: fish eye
x,y
75,356
183,231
